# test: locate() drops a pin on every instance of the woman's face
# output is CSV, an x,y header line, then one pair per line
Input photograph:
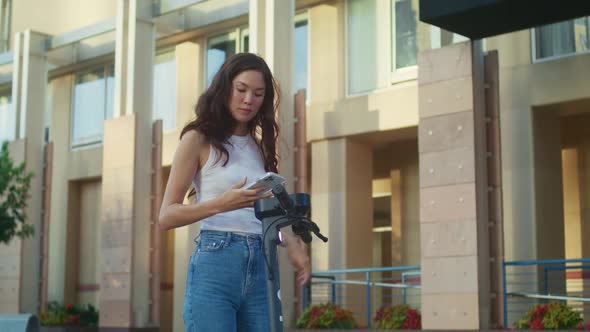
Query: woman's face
x,y
247,95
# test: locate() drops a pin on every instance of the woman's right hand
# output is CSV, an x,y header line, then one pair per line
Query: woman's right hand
x,y
237,197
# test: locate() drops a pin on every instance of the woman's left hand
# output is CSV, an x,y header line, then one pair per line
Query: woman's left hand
x,y
297,252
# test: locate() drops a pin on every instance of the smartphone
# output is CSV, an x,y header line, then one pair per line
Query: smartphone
x,y
265,183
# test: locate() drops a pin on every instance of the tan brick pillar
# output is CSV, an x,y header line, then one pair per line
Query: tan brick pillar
x,y
28,94
342,206
453,189
127,174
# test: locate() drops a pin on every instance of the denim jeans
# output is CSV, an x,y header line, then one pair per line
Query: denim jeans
x,y
226,284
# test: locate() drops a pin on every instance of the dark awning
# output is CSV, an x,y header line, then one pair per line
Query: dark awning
x,y
484,18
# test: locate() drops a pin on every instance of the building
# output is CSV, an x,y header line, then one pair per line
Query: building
x,y
78,79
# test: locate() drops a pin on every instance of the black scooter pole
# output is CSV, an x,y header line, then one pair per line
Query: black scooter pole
x,y
290,208
272,275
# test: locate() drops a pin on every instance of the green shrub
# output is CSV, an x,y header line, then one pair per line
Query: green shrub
x,y
69,315
326,316
15,183
552,316
397,317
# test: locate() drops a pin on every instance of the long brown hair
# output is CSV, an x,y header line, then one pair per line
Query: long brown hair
x,y
213,117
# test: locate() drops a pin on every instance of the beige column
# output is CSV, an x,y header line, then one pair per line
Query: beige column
x,y
326,57
342,206
571,202
272,38
60,129
584,184
189,64
257,26
584,192
29,86
127,167
548,192
453,189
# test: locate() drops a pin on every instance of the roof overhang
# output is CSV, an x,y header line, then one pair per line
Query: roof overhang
x,y
484,18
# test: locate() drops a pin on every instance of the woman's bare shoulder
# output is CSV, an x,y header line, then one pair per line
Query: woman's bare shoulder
x,y
193,136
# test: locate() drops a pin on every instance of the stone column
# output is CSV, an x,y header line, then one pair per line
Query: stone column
x,y
272,25
126,177
28,91
342,202
188,83
453,189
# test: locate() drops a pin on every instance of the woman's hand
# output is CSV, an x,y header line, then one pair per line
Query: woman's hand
x,y
297,252
237,197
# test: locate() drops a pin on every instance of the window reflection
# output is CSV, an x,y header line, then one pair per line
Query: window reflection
x,y
93,103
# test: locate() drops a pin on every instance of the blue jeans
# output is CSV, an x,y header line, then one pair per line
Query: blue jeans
x,y
226,285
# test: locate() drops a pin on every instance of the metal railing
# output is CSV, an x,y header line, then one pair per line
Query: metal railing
x,y
531,282
363,291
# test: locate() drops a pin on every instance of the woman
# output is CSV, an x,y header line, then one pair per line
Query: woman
x,y
231,142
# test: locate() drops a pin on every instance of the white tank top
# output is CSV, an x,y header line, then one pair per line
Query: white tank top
x,y
245,160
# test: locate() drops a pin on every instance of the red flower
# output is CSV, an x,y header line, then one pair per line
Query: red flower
x,y
537,324
68,306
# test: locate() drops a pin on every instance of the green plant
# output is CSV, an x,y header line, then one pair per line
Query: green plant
x,y
326,316
69,315
15,183
552,316
397,317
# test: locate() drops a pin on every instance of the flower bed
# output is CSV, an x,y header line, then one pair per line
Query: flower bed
x,y
397,317
326,316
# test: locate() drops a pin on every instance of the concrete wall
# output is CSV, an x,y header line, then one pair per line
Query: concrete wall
x,y
402,157
89,240
59,16
524,89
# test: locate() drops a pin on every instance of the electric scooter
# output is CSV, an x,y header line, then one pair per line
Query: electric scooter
x,y
275,213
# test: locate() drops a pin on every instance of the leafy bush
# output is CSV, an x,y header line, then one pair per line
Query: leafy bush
x,y
69,315
552,316
326,316
15,183
397,317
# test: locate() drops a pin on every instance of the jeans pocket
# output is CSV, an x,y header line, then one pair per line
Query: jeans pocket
x,y
211,243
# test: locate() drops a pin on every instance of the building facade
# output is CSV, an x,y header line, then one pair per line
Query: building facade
x,y
94,94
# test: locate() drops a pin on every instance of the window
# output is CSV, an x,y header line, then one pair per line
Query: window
x,y
164,96
7,116
561,39
404,44
5,15
300,54
384,38
93,103
222,47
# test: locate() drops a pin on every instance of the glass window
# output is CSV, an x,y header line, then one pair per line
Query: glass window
x,y
300,56
110,91
223,46
362,45
164,96
562,38
5,17
244,40
7,117
93,103
405,46
219,48
383,41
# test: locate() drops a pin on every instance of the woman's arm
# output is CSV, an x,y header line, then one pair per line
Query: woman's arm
x,y
297,252
185,164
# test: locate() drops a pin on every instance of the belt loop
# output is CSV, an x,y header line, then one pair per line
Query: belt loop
x,y
196,239
228,238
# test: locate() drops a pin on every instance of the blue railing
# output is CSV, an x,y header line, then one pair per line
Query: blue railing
x,y
529,282
364,289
